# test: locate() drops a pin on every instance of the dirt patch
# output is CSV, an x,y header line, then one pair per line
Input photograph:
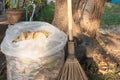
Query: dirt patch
x,y
110,39
106,57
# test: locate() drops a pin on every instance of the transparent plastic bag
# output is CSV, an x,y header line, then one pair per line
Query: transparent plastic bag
x,y
46,68
34,59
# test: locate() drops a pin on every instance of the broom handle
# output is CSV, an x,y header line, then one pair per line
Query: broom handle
x,y
69,3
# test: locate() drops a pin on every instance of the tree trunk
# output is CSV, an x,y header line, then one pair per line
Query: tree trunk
x,y
86,16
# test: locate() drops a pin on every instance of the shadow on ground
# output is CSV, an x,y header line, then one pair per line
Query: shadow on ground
x,y
97,61
2,56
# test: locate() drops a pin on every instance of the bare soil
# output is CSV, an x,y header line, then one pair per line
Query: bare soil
x,y
106,56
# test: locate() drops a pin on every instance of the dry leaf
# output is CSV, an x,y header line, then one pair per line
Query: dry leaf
x,y
29,36
32,35
38,35
102,71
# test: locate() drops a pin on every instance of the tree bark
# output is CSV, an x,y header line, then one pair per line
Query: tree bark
x,y
86,16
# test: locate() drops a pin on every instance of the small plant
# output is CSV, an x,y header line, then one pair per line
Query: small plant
x,y
36,2
12,4
15,11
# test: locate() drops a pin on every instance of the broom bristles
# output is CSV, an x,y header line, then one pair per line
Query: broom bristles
x,y
72,70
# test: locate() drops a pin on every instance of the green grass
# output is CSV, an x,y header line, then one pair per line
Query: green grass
x,y
111,15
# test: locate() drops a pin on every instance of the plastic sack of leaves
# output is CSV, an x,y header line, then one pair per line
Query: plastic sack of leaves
x,y
31,58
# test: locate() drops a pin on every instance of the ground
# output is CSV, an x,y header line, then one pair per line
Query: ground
x,y
105,64
106,57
